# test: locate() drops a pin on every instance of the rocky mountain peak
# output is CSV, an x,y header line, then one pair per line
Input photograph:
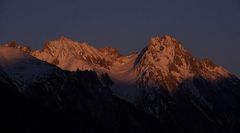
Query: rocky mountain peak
x,y
63,38
60,43
162,50
165,41
164,62
63,51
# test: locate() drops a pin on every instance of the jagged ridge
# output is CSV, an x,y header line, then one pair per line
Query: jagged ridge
x,y
63,52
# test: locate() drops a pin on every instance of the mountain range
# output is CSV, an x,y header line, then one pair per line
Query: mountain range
x,y
75,87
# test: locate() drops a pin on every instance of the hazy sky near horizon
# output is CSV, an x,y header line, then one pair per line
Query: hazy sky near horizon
x,y
207,28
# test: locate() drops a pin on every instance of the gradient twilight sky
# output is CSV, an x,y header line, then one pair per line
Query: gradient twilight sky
x,y
207,28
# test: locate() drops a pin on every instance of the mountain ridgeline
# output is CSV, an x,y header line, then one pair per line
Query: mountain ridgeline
x,y
79,88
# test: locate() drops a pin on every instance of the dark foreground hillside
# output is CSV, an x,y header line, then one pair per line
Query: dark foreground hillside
x,y
86,106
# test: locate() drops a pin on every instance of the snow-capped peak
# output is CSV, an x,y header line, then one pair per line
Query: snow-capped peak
x,y
164,62
72,55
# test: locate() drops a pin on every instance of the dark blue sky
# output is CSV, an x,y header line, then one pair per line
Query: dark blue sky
x,y
207,28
